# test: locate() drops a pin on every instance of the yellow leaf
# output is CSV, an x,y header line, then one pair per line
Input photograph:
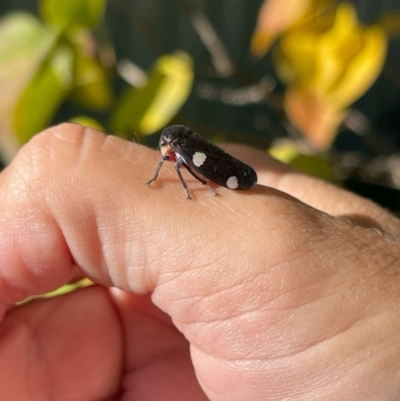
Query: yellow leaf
x,y
363,69
344,26
316,54
276,16
147,109
327,67
172,91
295,59
87,121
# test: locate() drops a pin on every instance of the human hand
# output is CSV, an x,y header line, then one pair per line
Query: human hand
x,y
289,291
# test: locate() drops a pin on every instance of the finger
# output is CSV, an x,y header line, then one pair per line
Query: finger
x,y
156,352
315,192
228,270
63,348
75,197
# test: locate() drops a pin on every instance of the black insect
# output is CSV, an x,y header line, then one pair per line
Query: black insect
x,y
204,160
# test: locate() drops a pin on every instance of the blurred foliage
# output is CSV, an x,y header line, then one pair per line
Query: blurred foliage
x,y
316,165
57,58
65,289
63,14
146,109
324,57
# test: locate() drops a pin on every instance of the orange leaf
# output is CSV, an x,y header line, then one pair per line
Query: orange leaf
x,y
317,119
276,16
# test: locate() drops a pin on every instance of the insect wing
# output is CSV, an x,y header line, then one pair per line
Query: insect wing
x,y
213,163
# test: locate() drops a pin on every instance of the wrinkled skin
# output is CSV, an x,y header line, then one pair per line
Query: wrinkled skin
x,y
289,291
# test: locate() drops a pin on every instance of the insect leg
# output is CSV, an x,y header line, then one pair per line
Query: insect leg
x,y
201,180
177,165
157,170
193,174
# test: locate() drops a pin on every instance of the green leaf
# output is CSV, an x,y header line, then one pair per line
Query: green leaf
x,y
24,43
147,109
92,84
21,36
44,94
87,121
65,289
65,13
317,166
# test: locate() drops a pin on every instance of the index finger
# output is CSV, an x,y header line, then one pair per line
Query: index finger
x,y
74,198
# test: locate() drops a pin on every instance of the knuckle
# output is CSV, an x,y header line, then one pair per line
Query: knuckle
x,y
55,151
48,157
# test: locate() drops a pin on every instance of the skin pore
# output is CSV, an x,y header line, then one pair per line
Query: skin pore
x,y
289,291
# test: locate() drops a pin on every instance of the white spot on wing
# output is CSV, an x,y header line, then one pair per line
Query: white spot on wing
x,y
232,182
199,158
